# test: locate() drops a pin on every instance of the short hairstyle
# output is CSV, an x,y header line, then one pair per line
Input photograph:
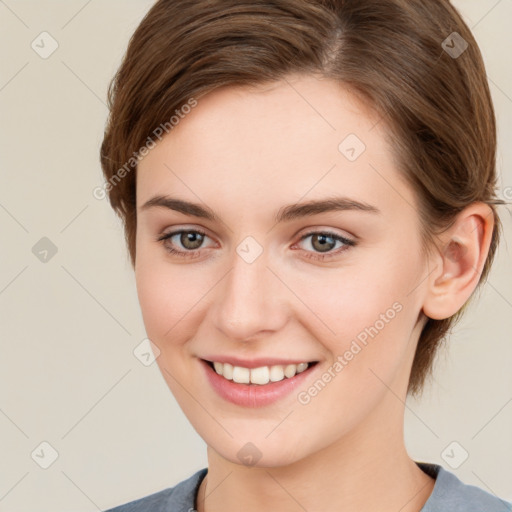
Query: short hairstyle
x,y
427,84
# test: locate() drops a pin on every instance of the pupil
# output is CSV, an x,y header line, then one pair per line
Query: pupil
x,y
194,238
323,244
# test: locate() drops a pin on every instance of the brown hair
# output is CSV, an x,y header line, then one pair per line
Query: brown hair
x,y
436,104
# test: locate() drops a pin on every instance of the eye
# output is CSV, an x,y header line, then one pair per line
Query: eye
x,y
325,241
190,239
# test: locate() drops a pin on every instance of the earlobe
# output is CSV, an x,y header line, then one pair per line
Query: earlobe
x,y
458,261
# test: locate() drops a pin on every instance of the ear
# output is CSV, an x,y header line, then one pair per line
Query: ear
x,y
458,261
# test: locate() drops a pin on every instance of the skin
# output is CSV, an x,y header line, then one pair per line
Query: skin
x,y
245,153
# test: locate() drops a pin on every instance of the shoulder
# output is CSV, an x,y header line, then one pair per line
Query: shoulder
x,y
453,495
177,498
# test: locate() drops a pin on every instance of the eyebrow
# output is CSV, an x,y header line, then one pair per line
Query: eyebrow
x,y
285,214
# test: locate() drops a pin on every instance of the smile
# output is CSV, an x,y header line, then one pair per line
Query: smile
x,y
259,386
261,376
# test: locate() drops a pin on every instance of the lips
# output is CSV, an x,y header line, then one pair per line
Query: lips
x,y
255,395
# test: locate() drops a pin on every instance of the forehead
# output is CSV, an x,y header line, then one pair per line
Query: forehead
x,y
287,111
276,141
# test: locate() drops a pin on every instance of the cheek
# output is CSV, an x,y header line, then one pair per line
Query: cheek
x,y
170,298
362,328
367,305
367,349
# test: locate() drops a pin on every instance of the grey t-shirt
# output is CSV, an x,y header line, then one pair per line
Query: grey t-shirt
x,y
449,495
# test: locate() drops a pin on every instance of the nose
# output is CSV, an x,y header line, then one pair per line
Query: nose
x,y
251,301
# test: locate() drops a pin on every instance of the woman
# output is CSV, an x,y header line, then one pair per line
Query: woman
x,y
308,195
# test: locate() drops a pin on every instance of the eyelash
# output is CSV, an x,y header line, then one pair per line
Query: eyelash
x,y
312,255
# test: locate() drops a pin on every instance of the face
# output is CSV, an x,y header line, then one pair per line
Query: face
x,y
262,276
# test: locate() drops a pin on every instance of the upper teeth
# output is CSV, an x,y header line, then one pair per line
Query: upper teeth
x,y
262,375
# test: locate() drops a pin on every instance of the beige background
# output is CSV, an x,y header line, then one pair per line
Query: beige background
x,y
69,326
